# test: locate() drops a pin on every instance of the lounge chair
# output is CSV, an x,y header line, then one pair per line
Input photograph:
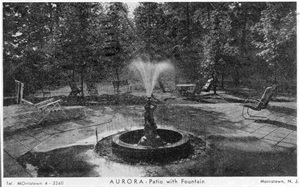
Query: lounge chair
x,y
258,104
74,90
207,86
199,88
196,91
45,108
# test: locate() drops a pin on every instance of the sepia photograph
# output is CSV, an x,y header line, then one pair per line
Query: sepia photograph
x,y
161,93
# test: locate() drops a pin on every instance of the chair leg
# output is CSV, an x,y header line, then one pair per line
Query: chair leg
x,y
63,111
254,115
248,112
49,110
53,108
40,121
37,117
57,105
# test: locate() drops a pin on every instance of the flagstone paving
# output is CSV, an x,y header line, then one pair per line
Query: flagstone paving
x,y
278,130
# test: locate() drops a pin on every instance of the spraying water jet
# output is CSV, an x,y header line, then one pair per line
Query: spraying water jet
x,y
151,143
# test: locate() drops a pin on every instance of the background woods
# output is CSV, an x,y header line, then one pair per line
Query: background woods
x,y
51,44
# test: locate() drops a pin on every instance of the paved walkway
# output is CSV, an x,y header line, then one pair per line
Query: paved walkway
x,y
274,128
21,135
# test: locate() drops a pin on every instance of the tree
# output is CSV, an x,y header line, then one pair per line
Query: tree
x,y
79,38
276,39
148,21
45,42
168,32
244,16
217,41
26,40
118,38
185,34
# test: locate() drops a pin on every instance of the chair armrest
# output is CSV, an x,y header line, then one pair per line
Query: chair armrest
x,y
49,104
43,102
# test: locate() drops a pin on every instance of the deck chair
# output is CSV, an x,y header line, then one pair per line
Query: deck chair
x,y
92,89
258,104
207,86
199,88
45,108
74,89
196,91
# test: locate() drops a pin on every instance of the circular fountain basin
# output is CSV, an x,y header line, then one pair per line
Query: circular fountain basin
x,y
126,145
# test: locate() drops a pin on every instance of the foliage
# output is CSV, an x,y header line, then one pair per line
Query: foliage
x,y
26,36
48,44
118,38
77,36
276,39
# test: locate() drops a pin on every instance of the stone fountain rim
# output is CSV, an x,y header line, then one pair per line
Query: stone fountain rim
x,y
183,140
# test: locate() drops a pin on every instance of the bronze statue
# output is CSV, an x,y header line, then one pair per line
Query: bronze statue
x,y
148,114
150,138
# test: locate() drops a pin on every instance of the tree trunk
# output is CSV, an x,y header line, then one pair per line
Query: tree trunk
x,y
222,78
73,75
188,25
161,85
82,78
118,78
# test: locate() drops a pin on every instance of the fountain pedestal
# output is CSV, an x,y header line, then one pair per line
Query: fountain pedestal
x,y
151,139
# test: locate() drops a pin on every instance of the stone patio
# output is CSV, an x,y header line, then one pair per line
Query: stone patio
x,y
273,131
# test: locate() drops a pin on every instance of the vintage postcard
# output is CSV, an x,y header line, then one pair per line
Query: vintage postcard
x,y
149,93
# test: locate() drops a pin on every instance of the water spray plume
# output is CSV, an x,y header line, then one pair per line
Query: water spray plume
x,y
150,72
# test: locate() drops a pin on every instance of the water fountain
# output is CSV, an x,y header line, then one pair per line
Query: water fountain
x,y
151,143
136,151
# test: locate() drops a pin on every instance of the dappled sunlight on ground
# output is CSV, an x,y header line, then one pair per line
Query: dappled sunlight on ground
x,y
235,146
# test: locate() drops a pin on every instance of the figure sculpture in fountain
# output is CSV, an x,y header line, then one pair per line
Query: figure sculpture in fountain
x,y
150,138
149,73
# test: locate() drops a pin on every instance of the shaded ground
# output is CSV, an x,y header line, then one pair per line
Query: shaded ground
x,y
81,161
263,146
